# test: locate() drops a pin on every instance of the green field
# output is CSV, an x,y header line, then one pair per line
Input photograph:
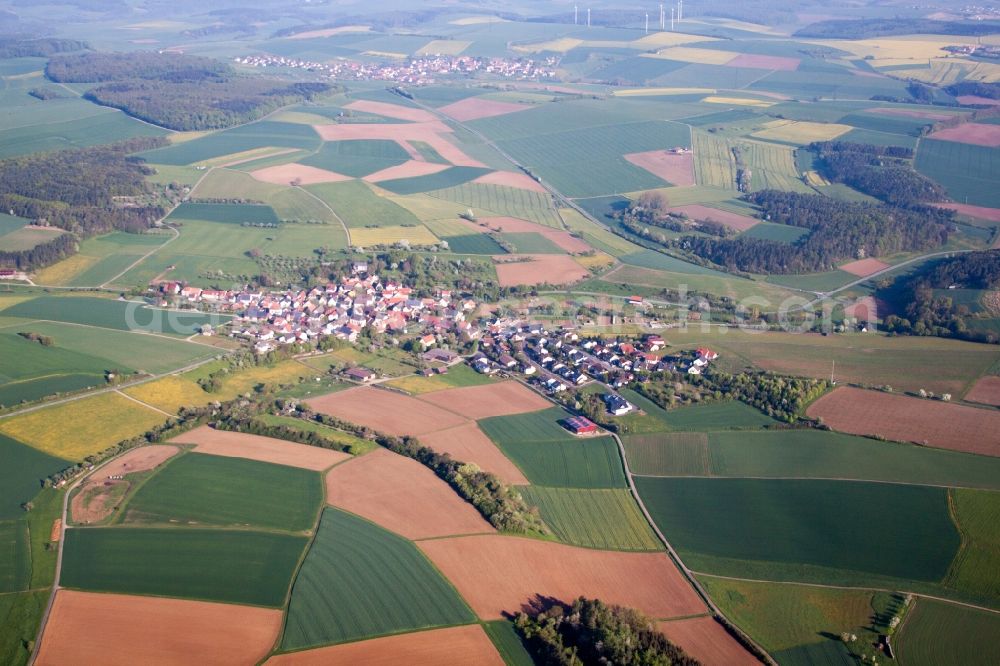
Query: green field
x,y
783,233
225,213
458,376
237,140
665,262
450,177
726,526
605,519
21,475
531,243
359,206
199,489
589,162
15,556
472,244
969,173
357,158
61,134
807,454
19,617
550,456
486,200
217,565
360,581
106,313
940,633
508,643
974,570
798,625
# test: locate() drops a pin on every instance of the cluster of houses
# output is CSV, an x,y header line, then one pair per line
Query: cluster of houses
x,y
560,360
338,309
412,71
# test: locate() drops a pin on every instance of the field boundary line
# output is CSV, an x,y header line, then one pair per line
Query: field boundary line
x,y
869,588
144,404
347,230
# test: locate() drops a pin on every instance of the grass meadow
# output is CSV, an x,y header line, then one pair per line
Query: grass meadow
x,y
21,475
458,376
361,581
232,566
199,489
974,569
935,632
15,556
608,519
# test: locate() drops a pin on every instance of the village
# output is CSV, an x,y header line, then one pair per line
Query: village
x,y
412,71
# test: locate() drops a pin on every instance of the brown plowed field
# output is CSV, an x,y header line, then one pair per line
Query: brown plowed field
x,y
385,411
543,268
732,220
265,449
468,444
106,629
392,111
863,309
897,417
509,179
99,496
285,174
480,402
429,132
410,169
864,267
497,574
764,62
985,391
674,168
455,646
977,134
707,641
981,212
911,113
474,108
55,534
402,496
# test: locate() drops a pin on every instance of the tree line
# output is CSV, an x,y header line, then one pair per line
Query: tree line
x,y
839,230
884,27
925,313
15,47
589,631
179,92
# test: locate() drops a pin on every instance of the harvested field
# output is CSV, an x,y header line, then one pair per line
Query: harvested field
x,y
981,212
911,113
90,628
674,168
510,179
707,641
906,419
402,496
474,108
985,391
429,132
977,134
454,646
541,268
98,496
864,267
409,169
286,174
480,402
264,449
750,60
468,444
732,220
385,411
497,574
329,32
392,111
